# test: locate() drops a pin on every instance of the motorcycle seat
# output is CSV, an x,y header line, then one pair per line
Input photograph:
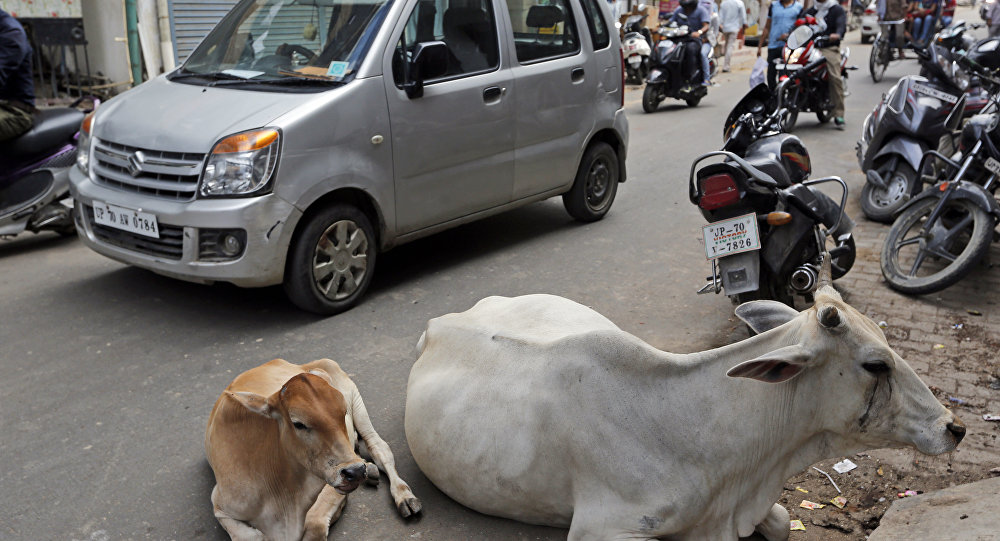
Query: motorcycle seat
x,y
53,128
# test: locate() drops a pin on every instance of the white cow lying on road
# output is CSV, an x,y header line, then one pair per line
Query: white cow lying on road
x,y
281,440
541,410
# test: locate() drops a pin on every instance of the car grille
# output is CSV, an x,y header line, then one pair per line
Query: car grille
x,y
170,245
169,175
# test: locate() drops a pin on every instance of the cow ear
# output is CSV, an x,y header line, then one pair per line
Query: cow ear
x,y
779,365
253,402
763,316
323,374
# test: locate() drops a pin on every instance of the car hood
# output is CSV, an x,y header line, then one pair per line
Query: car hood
x,y
177,117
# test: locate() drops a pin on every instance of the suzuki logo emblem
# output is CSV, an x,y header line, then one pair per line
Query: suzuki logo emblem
x,y
135,162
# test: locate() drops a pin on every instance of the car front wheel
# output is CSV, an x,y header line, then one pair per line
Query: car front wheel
x,y
331,261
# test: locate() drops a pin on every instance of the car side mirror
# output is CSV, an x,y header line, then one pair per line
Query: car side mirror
x,y
430,60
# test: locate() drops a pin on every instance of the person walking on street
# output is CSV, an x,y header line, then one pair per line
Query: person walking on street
x,y
781,16
17,90
832,22
993,17
733,21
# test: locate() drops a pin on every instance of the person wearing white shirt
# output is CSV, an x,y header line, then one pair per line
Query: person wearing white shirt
x,y
732,20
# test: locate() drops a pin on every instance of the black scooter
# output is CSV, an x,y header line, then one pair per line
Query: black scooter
x,y
666,70
34,173
910,121
768,226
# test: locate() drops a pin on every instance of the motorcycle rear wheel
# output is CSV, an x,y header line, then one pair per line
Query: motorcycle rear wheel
x,y
881,205
792,112
960,238
650,99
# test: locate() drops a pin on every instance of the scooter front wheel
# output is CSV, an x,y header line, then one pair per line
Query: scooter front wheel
x,y
650,98
880,204
920,258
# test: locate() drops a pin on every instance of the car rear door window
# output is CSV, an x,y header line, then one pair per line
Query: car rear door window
x,y
543,30
595,23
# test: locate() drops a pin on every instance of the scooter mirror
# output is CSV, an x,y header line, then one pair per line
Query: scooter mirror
x,y
955,116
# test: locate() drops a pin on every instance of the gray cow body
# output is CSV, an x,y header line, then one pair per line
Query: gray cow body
x,y
541,410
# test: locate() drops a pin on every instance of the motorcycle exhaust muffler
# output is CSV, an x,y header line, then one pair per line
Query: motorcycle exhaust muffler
x,y
803,279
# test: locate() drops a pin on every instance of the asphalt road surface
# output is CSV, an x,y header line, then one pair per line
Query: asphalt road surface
x,y
108,373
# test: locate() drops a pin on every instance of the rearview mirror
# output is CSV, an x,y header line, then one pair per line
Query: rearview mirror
x,y
955,116
430,60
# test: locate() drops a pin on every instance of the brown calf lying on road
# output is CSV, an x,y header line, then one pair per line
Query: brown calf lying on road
x,y
281,440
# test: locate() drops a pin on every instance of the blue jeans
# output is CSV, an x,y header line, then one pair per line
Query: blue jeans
x,y
705,48
922,28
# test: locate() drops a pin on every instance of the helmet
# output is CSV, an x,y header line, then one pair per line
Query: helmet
x,y
688,4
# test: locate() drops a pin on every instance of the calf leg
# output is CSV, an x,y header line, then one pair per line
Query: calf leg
x,y
406,502
324,511
775,525
237,529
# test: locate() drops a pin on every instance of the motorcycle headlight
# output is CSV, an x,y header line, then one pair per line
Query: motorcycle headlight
x,y
794,57
241,164
83,145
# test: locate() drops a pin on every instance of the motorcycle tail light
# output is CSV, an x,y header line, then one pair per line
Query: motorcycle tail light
x,y
718,191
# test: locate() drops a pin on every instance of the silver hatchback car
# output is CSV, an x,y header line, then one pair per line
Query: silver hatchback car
x,y
303,137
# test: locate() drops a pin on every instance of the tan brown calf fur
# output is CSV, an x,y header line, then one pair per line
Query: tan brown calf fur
x,y
281,440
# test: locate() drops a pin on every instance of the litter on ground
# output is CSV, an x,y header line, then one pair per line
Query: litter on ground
x,y
806,504
844,466
797,526
839,502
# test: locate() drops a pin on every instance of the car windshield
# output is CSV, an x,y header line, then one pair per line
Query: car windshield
x,y
281,43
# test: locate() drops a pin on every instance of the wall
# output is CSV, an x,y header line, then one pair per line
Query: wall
x,y
104,23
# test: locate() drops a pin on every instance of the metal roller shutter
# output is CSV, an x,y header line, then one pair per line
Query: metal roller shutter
x,y
191,21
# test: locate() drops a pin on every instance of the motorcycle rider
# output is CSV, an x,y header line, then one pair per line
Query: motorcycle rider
x,y
832,21
695,17
781,16
17,90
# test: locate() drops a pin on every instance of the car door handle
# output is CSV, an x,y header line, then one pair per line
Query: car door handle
x,y
493,94
576,75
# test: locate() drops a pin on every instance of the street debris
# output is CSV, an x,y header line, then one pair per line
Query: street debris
x,y
883,324
839,502
800,489
957,326
991,417
907,493
955,400
844,466
828,477
938,346
975,312
995,384
880,472
806,504
797,526
832,524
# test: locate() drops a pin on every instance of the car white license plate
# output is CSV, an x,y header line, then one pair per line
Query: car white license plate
x,y
934,93
133,221
731,236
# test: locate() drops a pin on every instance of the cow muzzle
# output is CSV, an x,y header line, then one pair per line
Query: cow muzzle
x,y
349,478
956,429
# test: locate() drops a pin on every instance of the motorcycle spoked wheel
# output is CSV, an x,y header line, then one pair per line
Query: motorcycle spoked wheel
x,y
792,116
878,60
915,263
881,205
650,98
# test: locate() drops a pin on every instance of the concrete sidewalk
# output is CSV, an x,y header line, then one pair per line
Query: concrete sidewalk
x,y
964,513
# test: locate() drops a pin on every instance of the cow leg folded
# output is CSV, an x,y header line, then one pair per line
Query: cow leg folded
x,y
324,512
775,525
406,502
237,529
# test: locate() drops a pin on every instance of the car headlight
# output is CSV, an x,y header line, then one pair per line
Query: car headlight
x,y
83,145
241,164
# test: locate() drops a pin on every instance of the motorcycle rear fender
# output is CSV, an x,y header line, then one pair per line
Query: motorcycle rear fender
x,y
965,190
909,148
740,273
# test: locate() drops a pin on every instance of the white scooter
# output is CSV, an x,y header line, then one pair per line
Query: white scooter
x,y
636,47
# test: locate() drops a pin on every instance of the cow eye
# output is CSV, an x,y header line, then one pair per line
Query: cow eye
x,y
299,426
876,367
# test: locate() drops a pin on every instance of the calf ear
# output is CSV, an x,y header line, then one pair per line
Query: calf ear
x,y
252,401
763,316
774,367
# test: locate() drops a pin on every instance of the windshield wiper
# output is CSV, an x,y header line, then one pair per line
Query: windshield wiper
x,y
218,75
287,81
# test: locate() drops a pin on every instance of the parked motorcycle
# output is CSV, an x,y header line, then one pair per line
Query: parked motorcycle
x,y
805,68
943,232
666,70
636,47
768,225
910,121
34,173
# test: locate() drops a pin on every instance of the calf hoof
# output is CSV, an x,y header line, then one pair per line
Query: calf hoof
x,y
409,507
371,474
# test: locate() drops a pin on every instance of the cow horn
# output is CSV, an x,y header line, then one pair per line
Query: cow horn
x,y
829,317
825,272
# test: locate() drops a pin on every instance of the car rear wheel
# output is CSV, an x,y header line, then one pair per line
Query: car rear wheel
x,y
595,186
331,261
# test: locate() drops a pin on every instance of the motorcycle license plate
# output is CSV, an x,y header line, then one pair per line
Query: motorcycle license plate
x,y
731,236
788,66
634,60
133,221
993,165
934,93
